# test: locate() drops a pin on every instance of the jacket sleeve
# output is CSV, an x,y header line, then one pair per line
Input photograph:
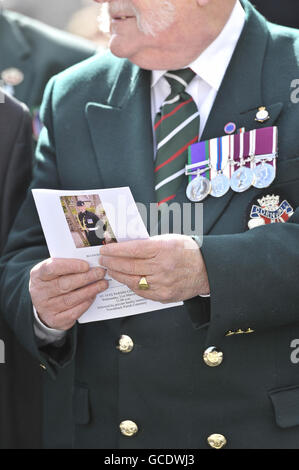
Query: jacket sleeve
x,y
26,247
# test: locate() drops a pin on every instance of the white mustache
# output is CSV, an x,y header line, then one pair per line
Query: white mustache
x,y
122,7
150,23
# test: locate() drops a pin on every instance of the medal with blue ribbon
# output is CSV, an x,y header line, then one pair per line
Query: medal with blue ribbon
x,y
219,160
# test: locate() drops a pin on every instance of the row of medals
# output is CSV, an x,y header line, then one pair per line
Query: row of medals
x,y
261,176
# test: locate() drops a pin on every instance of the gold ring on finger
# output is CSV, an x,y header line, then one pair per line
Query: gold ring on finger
x,y
143,284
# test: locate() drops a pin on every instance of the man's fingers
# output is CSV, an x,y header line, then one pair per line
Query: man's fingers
x,y
64,284
142,249
70,300
54,267
66,320
131,266
132,281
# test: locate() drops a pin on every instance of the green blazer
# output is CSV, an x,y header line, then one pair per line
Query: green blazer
x,y
38,51
163,384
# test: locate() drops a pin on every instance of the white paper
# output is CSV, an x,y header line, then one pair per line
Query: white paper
x,y
66,238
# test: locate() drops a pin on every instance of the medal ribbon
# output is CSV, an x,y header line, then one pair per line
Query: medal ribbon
x,y
199,154
219,154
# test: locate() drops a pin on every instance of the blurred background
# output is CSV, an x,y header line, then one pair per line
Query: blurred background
x,y
80,16
284,12
75,16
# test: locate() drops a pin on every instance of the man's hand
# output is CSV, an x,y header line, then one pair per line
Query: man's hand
x,y
63,289
173,266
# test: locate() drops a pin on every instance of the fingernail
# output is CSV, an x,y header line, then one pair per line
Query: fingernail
x,y
100,272
100,286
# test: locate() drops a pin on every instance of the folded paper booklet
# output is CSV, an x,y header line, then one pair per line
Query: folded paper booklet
x,y
77,223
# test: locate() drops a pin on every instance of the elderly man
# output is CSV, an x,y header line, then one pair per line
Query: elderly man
x,y
221,369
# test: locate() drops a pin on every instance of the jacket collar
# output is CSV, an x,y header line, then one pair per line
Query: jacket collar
x,y
125,134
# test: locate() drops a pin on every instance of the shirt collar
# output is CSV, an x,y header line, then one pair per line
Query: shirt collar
x,y
211,65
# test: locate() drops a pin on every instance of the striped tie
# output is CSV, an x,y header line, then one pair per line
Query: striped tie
x,y
176,128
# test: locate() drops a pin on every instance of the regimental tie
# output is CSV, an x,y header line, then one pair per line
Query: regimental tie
x,y
176,128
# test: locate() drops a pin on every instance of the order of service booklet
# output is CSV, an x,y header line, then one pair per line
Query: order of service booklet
x,y
77,223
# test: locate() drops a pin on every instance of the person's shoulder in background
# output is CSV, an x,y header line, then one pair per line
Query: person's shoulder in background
x,y
37,52
41,36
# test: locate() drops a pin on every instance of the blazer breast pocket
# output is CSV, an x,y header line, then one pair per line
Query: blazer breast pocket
x,y
286,183
286,406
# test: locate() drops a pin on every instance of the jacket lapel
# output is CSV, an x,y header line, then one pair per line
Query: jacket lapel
x,y
121,129
238,100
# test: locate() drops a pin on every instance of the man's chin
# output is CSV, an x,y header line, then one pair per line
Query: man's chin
x,y
116,46
120,49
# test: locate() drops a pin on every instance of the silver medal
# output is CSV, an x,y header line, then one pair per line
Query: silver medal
x,y
220,185
264,175
198,189
242,179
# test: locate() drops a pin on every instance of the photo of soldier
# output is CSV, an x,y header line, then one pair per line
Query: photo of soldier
x,y
87,221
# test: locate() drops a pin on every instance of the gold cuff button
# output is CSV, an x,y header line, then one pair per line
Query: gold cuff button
x,y
125,344
212,357
217,441
128,428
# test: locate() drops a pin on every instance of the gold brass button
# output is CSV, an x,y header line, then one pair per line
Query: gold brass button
x,y
128,428
217,441
213,357
125,344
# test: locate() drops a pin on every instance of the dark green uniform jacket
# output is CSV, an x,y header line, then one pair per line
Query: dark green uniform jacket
x,y
39,52
163,384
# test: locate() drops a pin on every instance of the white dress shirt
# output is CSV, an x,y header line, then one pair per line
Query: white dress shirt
x,y
210,68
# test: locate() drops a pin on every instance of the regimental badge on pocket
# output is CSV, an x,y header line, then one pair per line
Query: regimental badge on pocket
x,y
269,209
